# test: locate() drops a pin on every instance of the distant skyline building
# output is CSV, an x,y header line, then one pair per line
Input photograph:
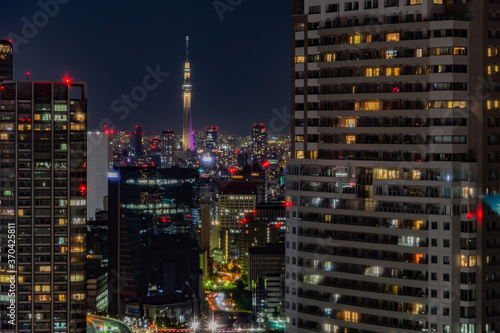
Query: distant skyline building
x,y
43,182
211,137
138,144
5,60
99,162
167,149
235,200
187,121
259,143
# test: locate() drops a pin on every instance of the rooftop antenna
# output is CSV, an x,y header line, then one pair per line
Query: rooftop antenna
x,y
187,48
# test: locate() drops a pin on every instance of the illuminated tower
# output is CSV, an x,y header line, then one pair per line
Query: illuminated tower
x,y
187,125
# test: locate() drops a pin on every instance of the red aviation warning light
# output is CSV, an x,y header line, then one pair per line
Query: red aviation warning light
x,y
83,189
288,204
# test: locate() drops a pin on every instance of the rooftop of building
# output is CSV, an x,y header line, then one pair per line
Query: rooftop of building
x,y
237,188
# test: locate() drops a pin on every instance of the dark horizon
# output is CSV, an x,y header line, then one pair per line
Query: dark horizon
x,y
114,46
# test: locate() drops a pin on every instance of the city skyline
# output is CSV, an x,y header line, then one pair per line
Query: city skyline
x,y
123,46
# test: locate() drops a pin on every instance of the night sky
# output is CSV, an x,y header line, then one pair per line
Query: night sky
x,y
240,65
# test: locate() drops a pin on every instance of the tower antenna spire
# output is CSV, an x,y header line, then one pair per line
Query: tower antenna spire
x,y
187,48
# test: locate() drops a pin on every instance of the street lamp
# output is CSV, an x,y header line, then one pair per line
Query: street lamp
x,y
195,325
212,326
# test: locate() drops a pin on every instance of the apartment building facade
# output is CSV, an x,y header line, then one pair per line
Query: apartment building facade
x,y
43,190
395,118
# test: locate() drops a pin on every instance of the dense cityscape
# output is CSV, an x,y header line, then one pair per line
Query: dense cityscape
x,y
371,207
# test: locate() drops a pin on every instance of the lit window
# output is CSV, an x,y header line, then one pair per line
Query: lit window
x,y
380,173
393,37
350,139
330,57
300,59
390,54
299,154
418,53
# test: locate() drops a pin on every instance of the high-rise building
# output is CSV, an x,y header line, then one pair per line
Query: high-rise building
x,y
395,127
187,121
259,143
138,144
99,162
43,183
153,238
211,137
264,225
5,60
234,201
167,149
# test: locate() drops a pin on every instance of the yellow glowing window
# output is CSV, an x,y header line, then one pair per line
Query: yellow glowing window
x,y
44,287
415,175
489,69
312,154
5,278
380,173
300,59
496,103
488,104
299,138
61,297
392,71
415,2
299,154
393,174
4,136
417,224
351,122
355,39
330,57
418,53
350,139
459,50
42,298
373,106
418,257
369,38
393,37
44,268
490,52
439,2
